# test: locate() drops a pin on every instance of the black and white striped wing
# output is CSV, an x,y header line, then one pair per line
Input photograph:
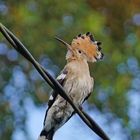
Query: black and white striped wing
x,y
61,79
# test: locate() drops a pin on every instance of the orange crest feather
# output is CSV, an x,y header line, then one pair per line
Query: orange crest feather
x,y
85,43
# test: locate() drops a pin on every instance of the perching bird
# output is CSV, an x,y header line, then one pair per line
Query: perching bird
x,y
76,81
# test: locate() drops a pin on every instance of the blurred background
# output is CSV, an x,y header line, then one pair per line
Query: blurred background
x,y
115,102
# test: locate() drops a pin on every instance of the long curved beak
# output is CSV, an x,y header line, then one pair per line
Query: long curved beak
x,y
63,42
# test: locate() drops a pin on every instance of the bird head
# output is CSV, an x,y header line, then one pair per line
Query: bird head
x,y
84,47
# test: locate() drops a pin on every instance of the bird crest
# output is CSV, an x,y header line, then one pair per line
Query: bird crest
x,y
86,45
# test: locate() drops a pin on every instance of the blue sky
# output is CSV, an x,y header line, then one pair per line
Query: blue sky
x,y
74,129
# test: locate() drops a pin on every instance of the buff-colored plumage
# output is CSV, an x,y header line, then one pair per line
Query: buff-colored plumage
x,y
86,44
76,81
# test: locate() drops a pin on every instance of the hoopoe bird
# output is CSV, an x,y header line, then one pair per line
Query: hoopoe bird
x,y
76,81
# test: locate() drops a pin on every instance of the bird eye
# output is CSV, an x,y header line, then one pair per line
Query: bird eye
x,y
79,51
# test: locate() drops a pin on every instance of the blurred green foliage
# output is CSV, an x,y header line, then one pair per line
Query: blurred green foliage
x,y
36,23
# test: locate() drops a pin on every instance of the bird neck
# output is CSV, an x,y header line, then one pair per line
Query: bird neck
x,y
79,67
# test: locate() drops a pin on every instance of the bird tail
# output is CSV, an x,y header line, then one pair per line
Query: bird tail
x,y
44,135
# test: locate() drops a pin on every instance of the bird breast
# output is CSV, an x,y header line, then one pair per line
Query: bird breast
x,y
78,88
